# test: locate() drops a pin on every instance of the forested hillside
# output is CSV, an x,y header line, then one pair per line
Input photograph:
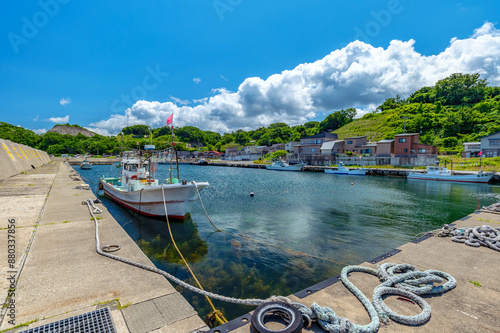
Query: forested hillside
x,y
458,109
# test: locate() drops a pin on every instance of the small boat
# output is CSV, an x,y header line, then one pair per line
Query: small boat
x,y
284,166
85,165
342,170
443,174
200,162
139,190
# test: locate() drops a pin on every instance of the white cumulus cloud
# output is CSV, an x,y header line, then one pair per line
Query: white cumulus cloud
x,y
196,80
358,75
59,120
64,101
40,131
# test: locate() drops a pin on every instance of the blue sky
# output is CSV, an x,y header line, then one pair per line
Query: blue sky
x,y
227,64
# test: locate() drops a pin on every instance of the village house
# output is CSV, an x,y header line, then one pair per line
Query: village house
x,y
309,149
471,149
332,148
369,148
490,145
407,144
385,148
355,144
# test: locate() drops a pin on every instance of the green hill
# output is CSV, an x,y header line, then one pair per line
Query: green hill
x,y
458,109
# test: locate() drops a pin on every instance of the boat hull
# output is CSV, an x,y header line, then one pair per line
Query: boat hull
x,y
85,166
295,167
356,172
149,201
479,178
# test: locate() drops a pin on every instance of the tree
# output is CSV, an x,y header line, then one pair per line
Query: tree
x,y
461,88
337,119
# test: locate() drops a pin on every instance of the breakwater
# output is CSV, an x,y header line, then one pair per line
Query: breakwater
x,y
16,158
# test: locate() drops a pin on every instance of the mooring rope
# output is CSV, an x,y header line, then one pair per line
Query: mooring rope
x,y
219,316
476,236
404,280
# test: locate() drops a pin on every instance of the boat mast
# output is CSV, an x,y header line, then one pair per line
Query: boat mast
x,y
173,151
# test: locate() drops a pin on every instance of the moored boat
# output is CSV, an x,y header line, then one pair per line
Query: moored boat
x,y
443,174
85,165
342,170
139,190
284,166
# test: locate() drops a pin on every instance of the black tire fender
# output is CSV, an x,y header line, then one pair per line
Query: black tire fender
x,y
294,317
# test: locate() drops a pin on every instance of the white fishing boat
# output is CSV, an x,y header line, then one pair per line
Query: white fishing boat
x,y
139,190
342,170
284,166
443,174
85,165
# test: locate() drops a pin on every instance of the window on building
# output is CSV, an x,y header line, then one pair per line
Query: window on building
x,y
495,142
313,149
421,151
349,142
368,151
310,141
406,150
401,140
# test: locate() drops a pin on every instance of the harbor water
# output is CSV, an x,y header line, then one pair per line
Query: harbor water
x,y
344,219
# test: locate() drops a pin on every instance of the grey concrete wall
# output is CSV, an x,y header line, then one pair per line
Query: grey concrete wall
x,y
16,158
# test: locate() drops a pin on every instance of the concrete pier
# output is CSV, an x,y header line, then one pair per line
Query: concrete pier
x,y
57,270
473,306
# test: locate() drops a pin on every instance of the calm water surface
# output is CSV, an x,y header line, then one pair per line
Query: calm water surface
x,y
347,219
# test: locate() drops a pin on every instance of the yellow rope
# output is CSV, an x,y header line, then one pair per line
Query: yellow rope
x,y
218,314
265,243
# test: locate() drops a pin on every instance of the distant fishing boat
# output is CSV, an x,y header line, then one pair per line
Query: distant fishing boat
x,y
284,166
443,174
85,165
342,170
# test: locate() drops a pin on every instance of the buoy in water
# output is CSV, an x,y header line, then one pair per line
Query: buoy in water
x,y
352,183
251,194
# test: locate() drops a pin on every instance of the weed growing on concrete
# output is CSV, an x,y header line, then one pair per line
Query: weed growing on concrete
x,y
123,306
21,325
477,284
66,221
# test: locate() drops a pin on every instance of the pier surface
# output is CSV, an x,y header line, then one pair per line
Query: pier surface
x,y
473,306
60,275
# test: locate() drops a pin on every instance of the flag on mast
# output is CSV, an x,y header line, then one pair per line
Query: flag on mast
x,y
170,119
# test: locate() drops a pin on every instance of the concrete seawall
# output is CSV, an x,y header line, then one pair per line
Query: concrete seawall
x,y
16,158
50,272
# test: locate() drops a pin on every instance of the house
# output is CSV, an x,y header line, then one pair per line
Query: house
x,y
311,145
369,148
355,144
471,149
262,150
333,147
289,146
231,152
407,144
490,145
385,148
276,147
251,150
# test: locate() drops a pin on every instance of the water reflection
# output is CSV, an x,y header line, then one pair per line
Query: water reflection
x,y
344,219
155,241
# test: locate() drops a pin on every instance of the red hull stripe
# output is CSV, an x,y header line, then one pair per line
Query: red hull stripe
x,y
139,211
